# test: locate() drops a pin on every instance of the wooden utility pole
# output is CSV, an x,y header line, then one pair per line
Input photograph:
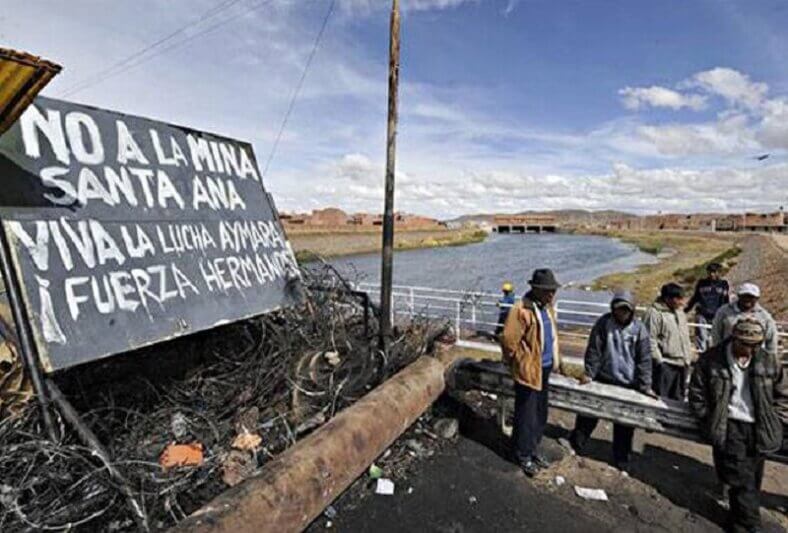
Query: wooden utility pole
x,y
391,153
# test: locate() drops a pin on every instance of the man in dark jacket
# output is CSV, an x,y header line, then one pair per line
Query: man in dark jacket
x,y
711,293
618,353
740,394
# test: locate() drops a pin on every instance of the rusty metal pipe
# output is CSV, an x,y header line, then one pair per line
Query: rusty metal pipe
x,y
293,489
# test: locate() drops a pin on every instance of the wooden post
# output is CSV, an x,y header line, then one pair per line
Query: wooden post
x,y
388,212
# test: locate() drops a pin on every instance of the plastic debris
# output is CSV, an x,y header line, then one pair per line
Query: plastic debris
x,y
560,480
246,441
179,425
598,495
175,455
384,487
375,472
330,512
332,358
472,500
447,428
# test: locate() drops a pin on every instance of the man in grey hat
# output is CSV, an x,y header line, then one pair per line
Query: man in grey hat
x,y
618,353
529,346
671,347
740,394
745,306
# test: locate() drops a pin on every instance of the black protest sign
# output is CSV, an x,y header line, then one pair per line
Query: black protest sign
x,y
126,231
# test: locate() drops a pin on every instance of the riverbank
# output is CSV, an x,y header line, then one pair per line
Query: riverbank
x,y
765,262
312,244
682,258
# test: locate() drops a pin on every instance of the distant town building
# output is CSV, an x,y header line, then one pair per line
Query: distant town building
x,y
334,218
771,222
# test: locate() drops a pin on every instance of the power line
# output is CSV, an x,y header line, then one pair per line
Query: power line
x,y
141,58
297,91
96,77
190,38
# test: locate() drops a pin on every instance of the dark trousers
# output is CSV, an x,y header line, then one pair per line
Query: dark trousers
x,y
530,418
502,316
740,466
670,381
622,438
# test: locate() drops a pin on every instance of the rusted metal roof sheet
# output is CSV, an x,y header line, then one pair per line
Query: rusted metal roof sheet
x,y
22,76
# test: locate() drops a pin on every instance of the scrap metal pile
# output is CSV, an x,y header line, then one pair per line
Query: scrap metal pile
x,y
185,420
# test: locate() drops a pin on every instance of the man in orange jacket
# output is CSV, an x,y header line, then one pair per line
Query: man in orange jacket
x,y
530,348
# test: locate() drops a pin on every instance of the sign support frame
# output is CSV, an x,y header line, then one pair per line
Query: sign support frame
x,y
23,341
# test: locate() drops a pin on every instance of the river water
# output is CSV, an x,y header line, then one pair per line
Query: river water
x,y
576,260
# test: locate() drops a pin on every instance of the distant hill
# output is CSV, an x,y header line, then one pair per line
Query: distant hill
x,y
565,216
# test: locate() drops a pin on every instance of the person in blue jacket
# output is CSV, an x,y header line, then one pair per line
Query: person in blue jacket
x,y
618,353
505,303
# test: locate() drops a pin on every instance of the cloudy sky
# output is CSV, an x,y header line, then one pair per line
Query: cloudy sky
x,y
506,105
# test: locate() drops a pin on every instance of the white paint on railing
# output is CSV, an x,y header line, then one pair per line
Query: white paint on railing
x,y
463,307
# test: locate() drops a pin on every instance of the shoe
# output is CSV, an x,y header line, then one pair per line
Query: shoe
x,y
540,461
529,468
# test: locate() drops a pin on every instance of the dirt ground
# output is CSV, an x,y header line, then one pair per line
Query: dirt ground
x,y
782,241
764,260
470,485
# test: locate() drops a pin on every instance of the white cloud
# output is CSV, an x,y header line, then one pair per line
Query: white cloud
x,y
728,135
635,98
510,6
773,128
735,87
623,186
748,120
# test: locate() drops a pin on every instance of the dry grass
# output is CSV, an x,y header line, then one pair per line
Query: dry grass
x,y
335,244
682,255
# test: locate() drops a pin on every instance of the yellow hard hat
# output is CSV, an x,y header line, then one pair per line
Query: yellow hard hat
x,y
507,286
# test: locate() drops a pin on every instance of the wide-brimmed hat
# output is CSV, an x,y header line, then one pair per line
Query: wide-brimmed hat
x,y
749,331
543,278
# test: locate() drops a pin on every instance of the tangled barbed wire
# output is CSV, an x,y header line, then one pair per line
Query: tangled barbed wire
x,y
278,377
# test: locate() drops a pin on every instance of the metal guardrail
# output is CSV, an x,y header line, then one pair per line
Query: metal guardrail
x,y
477,311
